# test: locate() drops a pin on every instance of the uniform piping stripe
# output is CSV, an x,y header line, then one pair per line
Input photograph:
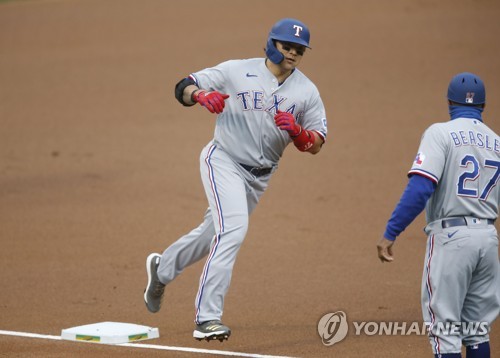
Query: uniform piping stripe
x,y
206,268
424,174
429,293
204,277
194,79
214,187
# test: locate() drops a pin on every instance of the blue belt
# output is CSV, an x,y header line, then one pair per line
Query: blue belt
x,y
257,171
461,221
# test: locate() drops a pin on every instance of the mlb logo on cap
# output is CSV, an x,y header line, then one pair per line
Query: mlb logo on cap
x,y
469,97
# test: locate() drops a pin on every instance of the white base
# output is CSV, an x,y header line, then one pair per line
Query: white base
x,y
110,333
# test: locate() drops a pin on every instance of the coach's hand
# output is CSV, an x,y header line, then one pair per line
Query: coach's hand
x,y
285,121
213,101
384,248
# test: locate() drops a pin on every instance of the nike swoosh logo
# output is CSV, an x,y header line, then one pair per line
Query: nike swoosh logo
x,y
250,75
450,234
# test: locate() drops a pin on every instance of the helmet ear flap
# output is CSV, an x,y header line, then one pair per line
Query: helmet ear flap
x,y
272,52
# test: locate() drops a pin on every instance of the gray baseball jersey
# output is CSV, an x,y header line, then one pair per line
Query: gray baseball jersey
x,y
461,277
246,128
462,156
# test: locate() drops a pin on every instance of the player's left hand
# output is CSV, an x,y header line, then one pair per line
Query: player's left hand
x,y
285,121
384,248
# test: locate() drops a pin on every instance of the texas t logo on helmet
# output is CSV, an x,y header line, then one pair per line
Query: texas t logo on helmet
x,y
299,29
286,30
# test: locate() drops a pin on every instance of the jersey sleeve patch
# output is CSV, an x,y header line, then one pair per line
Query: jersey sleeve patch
x,y
419,159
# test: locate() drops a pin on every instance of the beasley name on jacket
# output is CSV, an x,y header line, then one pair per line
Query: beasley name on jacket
x,y
475,139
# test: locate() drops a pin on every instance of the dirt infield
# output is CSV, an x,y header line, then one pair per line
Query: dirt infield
x,y
99,167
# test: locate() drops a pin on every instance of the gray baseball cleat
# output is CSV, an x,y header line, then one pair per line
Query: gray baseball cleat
x,y
153,293
211,330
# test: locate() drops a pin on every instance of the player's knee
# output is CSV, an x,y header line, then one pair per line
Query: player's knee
x,y
236,226
240,229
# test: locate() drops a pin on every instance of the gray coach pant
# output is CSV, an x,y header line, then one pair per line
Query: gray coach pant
x,y
460,284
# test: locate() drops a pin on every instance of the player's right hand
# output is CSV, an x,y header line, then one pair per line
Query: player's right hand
x,y
384,248
213,101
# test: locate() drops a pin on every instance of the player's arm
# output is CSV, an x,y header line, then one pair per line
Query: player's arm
x,y
318,143
188,94
411,204
305,140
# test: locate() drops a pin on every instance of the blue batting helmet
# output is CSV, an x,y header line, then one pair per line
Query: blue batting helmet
x,y
287,30
467,88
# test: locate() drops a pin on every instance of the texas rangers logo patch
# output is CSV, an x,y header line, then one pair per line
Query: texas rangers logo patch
x,y
419,159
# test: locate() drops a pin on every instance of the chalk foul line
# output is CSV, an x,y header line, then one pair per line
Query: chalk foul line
x,y
149,346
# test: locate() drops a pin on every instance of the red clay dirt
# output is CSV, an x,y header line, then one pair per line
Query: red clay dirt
x,y
99,167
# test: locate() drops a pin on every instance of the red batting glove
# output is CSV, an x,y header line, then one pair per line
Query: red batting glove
x,y
303,139
285,121
213,101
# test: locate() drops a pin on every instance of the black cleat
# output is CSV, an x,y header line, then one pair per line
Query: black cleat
x,y
211,330
153,293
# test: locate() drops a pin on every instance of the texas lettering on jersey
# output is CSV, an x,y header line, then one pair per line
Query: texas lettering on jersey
x,y
254,101
247,123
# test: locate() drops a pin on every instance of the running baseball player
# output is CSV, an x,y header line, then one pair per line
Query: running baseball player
x,y
262,105
454,176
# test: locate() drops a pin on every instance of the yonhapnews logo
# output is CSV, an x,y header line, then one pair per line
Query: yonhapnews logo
x,y
333,328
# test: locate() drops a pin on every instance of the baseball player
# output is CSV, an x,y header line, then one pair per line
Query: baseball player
x,y
454,176
262,105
